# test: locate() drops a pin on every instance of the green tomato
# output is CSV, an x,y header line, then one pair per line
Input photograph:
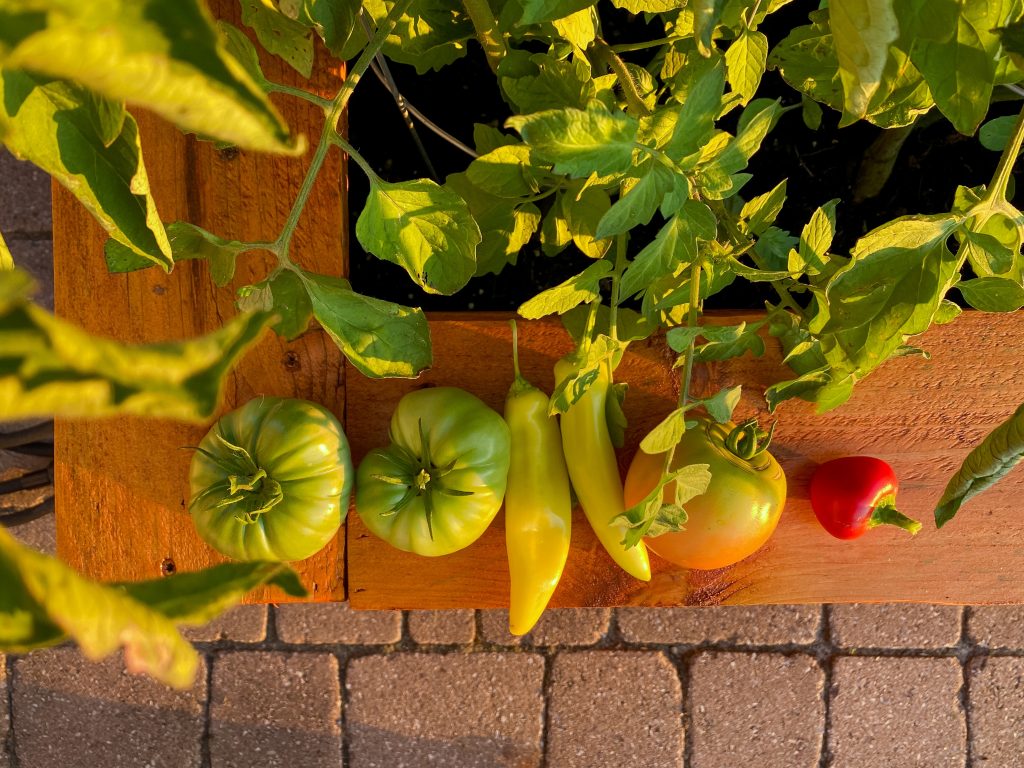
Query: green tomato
x,y
440,483
271,480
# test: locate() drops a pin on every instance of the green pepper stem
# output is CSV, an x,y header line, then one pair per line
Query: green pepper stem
x,y
887,514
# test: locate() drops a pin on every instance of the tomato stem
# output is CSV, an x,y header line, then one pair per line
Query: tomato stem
x,y
1001,178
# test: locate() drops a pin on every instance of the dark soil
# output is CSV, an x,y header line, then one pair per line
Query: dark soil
x,y
820,165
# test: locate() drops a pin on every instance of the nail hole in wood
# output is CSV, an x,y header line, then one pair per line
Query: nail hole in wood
x,y
167,567
228,153
291,361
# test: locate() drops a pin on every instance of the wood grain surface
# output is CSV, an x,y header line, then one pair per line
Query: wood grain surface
x,y
922,416
122,485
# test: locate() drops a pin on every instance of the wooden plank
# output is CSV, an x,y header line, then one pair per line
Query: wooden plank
x,y
920,415
122,485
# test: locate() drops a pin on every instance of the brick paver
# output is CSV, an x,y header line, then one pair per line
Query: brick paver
x,y
442,627
762,709
336,623
902,712
997,626
40,534
455,710
73,712
997,711
275,709
612,708
241,624
24,197
745,625
896,626
556,626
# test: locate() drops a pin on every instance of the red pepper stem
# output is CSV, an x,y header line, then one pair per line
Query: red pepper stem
x,y
887,514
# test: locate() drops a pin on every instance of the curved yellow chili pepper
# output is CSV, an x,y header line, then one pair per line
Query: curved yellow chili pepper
x,y
594,471
538,507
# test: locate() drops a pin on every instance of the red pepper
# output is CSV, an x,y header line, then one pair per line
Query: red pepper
x,y
854,494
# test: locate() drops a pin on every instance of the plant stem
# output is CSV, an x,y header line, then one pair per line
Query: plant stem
x,y
330,129
620,265
487,32
630,47
629,90
339,141
298,93
1001,178
878,161
691,322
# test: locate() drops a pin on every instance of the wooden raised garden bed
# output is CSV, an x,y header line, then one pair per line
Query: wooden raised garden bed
x,y
122,487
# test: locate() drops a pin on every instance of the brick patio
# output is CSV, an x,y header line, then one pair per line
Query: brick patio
x,y
311,686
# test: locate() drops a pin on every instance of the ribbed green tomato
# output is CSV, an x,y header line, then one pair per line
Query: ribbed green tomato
x,y
271,480
440,483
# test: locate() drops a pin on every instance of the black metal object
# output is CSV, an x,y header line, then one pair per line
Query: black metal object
x,y
36,441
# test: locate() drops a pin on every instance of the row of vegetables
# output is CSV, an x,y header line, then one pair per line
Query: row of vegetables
x,y
272,481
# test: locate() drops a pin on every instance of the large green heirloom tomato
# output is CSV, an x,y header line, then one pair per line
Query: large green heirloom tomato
x,y
439,484
271,480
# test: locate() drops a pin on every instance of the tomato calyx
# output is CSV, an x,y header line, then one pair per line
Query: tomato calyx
x,y
420,476
747,440
249,485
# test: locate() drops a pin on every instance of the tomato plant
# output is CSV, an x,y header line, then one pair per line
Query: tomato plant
x,y
439,484
853,494
737,512
271,480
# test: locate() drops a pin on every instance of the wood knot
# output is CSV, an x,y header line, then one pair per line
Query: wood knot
x,y
228,153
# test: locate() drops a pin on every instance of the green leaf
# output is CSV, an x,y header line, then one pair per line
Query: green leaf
x,y
505,229
164,55
615,415
333,20
48,366
721,404
537,82
889,291
279,34
285,295
706,14
582,288
862,31
6,260
993,294
956,47
487,138
760,212
745,61
198,597
815,240
653,517
667,434
696,116
715,176
632,326
535,11
424,228
806,383
509,171
810,111
580,142
581,214
578,28
995,134
55,125
984,466
725,342
947,312
647,6
378,337
602,355
639,204
673,247
1012,38
430,35
757,275
100,619
807,61
238,45
187,242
